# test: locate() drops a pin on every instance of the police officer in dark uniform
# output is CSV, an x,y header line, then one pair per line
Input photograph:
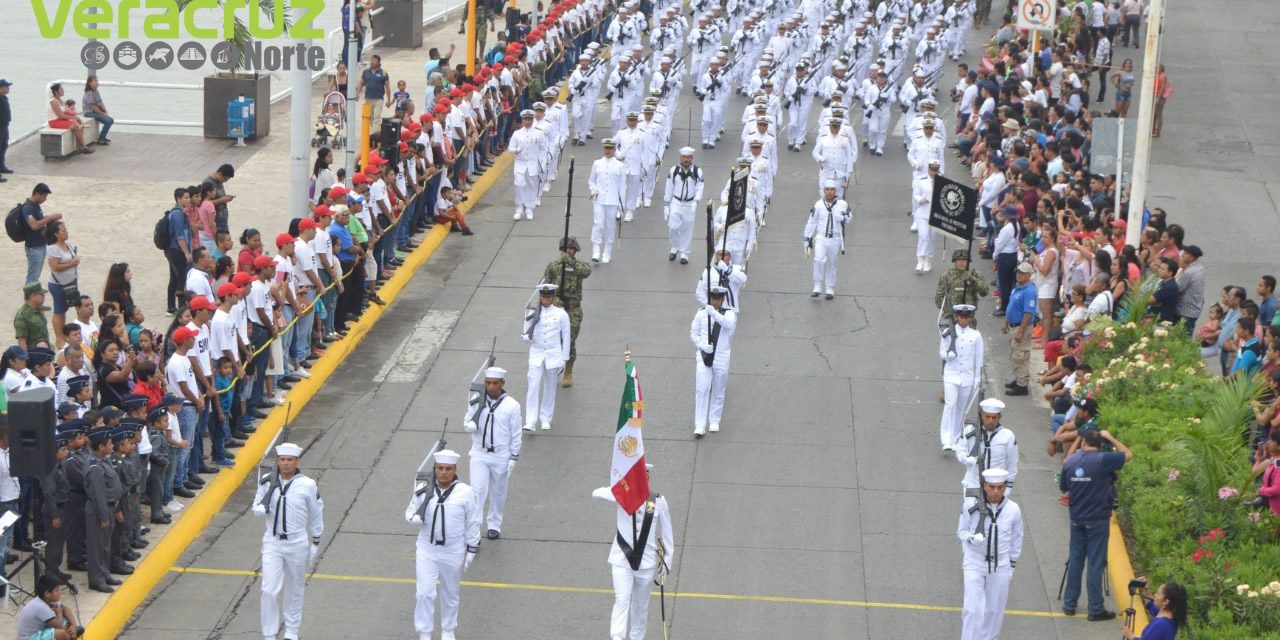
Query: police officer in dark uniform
x,y
122,534
101,510
567,273
57,492
135,409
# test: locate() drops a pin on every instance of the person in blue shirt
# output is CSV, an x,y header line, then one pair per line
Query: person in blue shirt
x,y
1168,611
1019,317
179,251
1266,299
1088,478
1232,298
1249,354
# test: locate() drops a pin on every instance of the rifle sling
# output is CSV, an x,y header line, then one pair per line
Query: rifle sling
x,y
636,555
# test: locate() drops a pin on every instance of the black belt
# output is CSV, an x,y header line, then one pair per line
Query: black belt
x,y
282,536
685,199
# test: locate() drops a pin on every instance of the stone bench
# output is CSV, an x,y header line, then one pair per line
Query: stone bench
x,y
60,143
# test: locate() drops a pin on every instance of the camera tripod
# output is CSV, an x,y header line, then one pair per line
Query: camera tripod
x,y
36,560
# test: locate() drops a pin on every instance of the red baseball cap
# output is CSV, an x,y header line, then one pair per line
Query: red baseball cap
x,y
335,193
1119,223
497,66
307,223
426,117
376,159
182,334
360,178
200,303
262,262
455,93
404,147
283,239
241,278
407,134
229,289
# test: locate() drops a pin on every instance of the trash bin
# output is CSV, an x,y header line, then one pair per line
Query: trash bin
x,y
241,118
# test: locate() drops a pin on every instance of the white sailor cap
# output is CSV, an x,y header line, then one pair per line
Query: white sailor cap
x,y
633,115
756,144
637,47
868,14
928,102
744,160
664,60
584,58
958,308
686,151
538,106
609,142
764,120
875,66
593,46
648,108
837,65
929,122
830,184
931,32
991,405
995,475
527,113
836,121
447,456
551,92
918,72
495,373
288,449
548,288
837,94
717,290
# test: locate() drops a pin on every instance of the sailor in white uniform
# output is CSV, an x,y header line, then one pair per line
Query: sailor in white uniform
x,y
449,517
962,365
988,446
990,533
824,238
607,186
712,335
685,184
921,201
643,548
290,503
547,334
494,425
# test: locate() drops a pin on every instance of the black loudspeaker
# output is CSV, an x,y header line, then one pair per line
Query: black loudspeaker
x,y
389,137
32,452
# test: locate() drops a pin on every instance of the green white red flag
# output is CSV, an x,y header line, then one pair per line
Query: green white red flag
x,y
628,479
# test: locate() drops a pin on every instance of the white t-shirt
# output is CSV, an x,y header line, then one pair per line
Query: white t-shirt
x,y
285,274
88,331
222,335
259,298
175,430
201,348
305,258
322,245
1101,305
200,283
178,371
378,193
240,319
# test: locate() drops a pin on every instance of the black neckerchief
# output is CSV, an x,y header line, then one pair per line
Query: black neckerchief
x,y
639,539
831,219
280,521
986,446
438,514
488,432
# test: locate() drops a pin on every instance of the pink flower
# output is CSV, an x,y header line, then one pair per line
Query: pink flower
x,y
1197,556
1218,533
1173,475
1255,516
1226,493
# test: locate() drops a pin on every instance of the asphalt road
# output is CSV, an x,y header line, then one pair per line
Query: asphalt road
x,y
823,508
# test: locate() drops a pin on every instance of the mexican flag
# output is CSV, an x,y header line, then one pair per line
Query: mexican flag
x,y
630,483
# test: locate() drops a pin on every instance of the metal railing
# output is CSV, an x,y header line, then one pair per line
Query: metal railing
x,y
333,49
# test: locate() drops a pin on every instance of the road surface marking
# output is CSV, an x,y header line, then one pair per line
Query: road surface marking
x,y
406,364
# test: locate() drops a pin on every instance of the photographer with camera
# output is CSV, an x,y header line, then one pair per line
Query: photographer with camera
x,y
46,618
1167,609
1088,477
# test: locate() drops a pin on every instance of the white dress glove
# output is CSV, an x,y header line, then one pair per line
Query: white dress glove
x,y
415,519
977,538
259,510
705,347
470,426
511,465
312,555
466,564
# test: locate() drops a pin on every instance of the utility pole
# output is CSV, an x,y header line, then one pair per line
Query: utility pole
x,y
354,130
1146,113
472,25
299,134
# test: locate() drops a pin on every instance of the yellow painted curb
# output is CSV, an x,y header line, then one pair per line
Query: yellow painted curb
x,y
122,604
1121,572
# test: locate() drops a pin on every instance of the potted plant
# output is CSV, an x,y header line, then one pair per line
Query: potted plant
x,y
223,86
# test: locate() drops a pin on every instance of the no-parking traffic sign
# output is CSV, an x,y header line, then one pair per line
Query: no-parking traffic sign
x,y
1036,15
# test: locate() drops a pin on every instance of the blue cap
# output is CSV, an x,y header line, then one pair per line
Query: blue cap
x,y
16,351
99,436
68,407
39,355
76,383
121,433
155,414
133,401
73,427
110,413
171,399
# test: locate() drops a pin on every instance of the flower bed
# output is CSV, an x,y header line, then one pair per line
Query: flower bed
x,y
1183,501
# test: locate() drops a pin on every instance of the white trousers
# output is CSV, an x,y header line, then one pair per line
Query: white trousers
x,y
443,564
680,225
956,397
553,164
709,384
618,113
712,119
604,226
631,199
284,569
540,398
878,128
631,595
798,120
489,477
583,113
647,183
926,239
826,259
985,595
526,189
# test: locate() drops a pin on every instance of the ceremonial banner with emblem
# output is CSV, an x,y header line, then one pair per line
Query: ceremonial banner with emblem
x,y
737,198
629,481
954,209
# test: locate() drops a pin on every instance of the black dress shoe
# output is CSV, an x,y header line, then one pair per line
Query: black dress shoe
x,y
494,535
10,558
101,588
285,384
206,469
164,520
122,570
671,257
115,582
1105,615
232,444
130,556
72,566
139,544
1017,390
831,296
183,492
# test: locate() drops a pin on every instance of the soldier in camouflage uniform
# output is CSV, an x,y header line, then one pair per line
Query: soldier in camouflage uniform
x,y
964,285
570,299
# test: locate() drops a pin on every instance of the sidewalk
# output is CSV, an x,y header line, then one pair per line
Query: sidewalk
x,y
111,200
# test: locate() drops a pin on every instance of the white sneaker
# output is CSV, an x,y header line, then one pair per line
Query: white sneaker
x,y
301,372
595,255
530,426
919,265
627,216
715,426
546,425
546,186
278,401
913,225
606,257
519,213
700,430
528,214
447,635
928,267
173,505
648,202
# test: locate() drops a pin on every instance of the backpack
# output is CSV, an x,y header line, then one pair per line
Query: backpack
x,y
15,225
161,237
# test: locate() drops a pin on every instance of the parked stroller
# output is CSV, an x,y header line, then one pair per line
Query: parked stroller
x,y
330,130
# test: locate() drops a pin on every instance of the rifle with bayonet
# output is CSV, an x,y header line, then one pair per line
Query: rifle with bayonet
x,y
475,393
270,472
424,480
